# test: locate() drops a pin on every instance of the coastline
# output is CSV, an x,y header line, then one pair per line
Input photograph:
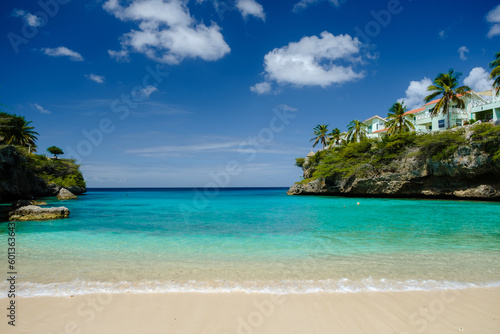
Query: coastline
x,y
134,272
473,310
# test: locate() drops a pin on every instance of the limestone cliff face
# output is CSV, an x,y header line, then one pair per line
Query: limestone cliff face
x,y
469,174
18,181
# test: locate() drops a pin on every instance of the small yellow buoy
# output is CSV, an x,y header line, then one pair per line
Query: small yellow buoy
x,y
358,203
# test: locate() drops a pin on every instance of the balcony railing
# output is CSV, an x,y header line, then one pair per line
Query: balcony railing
x,y
453,110
423,116
459,111
495,99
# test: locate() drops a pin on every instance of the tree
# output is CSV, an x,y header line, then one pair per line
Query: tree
x,y
55,151
495,72
356,131
4,126
333,138
16,130
445,85
320,131
397,121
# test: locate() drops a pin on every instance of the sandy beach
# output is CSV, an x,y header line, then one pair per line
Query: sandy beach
x,y
475,310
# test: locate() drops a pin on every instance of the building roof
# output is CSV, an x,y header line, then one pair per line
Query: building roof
x,y
310,154
376,116
432,102
414,111
383,130
436,100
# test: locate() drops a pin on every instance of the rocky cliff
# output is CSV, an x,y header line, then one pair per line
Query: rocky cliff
x,y
467,166
24,176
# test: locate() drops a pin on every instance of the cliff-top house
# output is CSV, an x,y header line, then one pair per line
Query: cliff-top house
x,y
483,106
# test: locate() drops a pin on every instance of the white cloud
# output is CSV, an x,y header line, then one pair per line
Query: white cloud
x,y
302,4
30,19
478,79
231,146
250,7
261,88
493,17
40,109
415,93
120,56
95,77
146,92
167,32
462,51
63,51
442,34
310,61
494,30
286,107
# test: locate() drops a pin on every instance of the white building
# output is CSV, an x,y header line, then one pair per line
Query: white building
x,y
375,127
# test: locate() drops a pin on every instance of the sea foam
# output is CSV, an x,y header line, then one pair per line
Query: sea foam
x,y
79,287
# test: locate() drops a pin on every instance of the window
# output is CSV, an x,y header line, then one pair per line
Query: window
x,y
441,124
458,122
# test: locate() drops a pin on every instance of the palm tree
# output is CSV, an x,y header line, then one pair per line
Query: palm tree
x,y
355,131
397,120
495,72
333,138
320,131
18,132
4,126
446,84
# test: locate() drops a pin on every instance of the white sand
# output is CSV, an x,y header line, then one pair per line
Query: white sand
x,y
451,311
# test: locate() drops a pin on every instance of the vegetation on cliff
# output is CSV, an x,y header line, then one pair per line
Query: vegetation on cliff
x,y
62,172
25,174
370,156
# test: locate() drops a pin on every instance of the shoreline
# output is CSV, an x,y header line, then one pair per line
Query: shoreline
x,y
400,196
473,310
283,288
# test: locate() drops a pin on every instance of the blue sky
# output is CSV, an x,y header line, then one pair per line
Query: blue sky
x,y
173,93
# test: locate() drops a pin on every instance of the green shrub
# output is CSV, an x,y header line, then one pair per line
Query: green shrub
x,y
299,162
67,180
313,160
441,145
375,156
305,181
63,172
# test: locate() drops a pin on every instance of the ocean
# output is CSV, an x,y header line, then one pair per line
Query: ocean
x,y
255,240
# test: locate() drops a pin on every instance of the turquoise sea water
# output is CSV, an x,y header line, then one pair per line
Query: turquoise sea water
x,y
255,240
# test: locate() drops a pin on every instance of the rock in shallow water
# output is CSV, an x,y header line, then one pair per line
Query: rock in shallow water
x,y
32,212
66,194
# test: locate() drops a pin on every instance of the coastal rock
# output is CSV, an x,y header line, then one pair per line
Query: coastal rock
x,y
66,194
20,203
482,191
24,202
76,190
469,174
32,212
